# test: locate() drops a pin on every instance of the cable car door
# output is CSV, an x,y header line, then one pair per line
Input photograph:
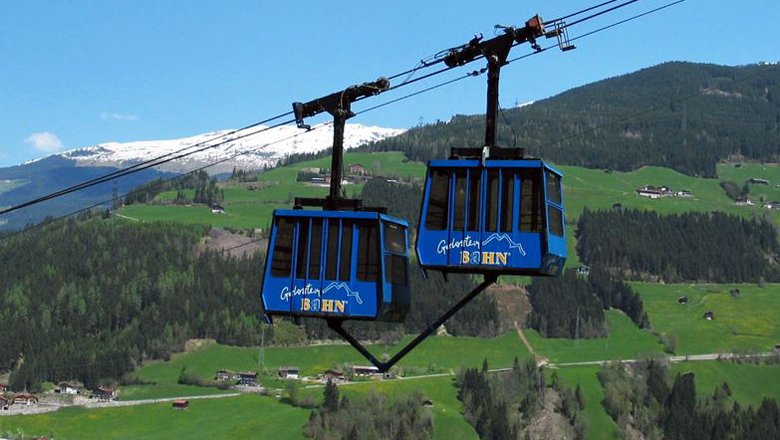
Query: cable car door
x,y
555,256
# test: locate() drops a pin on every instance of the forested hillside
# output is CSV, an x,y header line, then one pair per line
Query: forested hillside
x,y
683,116
90,300
710,247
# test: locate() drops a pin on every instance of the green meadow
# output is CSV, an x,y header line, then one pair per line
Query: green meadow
x,y
435,355
600,424
743,324
247,416
625,341
749,383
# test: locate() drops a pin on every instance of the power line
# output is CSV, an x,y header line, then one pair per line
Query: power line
x,y
582,11
164,181
168,157
139,167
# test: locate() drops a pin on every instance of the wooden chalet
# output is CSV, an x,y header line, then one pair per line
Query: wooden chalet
x,y
363,370
289,372
104,393
180,404
248,379
709,315
25,399
358,170
71,388
682,300
333,376
225,375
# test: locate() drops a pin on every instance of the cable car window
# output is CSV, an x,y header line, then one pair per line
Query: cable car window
x,y
368,252
281,265
315,251
395,268
507,200
530,202
491,215
474,200
303,245
436,216
332,250
395,239
459,217
346,251
553,187
556,221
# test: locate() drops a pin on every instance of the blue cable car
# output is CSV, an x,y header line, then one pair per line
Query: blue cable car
x,y
337,264
503,217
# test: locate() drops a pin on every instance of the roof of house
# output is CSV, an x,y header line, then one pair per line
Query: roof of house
x,y
248,374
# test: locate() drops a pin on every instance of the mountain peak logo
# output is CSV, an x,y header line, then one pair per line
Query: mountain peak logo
x,y
507,239
344,287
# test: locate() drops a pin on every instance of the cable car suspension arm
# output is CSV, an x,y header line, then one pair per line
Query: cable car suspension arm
x,y
336,325
339,105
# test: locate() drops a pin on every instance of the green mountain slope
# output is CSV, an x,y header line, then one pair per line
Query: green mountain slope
x,y
684,116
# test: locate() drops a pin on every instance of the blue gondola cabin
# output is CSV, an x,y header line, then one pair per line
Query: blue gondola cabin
x,y
502,217
337,264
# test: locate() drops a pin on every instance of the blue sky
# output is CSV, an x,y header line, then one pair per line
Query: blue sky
x,y
78,73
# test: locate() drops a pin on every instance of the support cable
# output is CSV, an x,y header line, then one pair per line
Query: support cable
x,y
151,163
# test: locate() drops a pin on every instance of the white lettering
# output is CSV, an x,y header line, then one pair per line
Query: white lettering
x,y
298,291
443,247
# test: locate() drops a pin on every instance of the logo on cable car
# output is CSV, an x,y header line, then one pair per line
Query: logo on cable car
x,y
479,257
325,305
506,238
318,304
344,287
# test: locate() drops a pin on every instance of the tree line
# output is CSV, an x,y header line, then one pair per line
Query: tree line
x,y
92,299
639,398
371,417
708,247
206,189
501,405
572,306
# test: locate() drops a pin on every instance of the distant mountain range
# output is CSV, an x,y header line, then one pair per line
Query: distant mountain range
x,y
42,176
253,152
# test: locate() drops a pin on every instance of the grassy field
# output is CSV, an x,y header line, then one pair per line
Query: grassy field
x,y
625,341
437,354
745,172
248,416
748,323
599,190
448,420
600,424
749,383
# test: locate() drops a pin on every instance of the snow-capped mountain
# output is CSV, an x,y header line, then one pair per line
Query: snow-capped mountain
x,y
259,147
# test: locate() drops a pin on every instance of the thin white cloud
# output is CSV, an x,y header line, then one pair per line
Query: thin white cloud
x,y
44,141
114,116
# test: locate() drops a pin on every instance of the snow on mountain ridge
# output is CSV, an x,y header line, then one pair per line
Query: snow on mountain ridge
x,y
252,152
